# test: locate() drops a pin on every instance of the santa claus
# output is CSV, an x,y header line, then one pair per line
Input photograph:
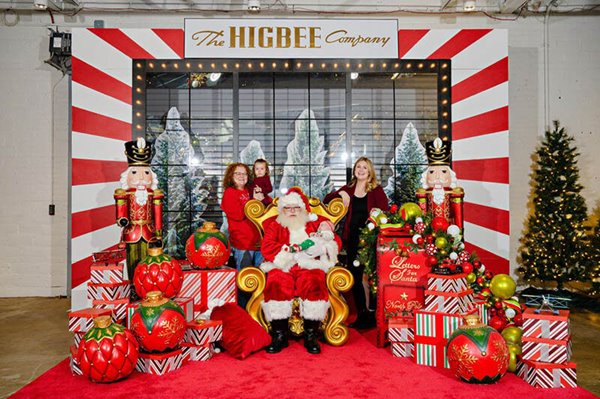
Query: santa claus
x,y
439,193
138,204
299,248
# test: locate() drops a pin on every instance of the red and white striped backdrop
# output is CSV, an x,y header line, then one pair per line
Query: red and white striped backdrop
x,y
102,115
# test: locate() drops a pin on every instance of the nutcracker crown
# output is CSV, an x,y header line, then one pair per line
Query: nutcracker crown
x,y
138,152
438,152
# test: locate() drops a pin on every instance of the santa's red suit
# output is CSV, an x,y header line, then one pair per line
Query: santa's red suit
x,y
297,274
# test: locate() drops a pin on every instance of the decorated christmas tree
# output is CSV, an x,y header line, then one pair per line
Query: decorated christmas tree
x,y
408,164
305,165
554,245
183,182
594,266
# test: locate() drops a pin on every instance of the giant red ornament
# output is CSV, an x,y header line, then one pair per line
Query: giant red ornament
x,y
477,353
207,248
158,272
439,223
158,323
108,351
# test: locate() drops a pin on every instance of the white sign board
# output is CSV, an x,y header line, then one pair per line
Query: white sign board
x,y
291,38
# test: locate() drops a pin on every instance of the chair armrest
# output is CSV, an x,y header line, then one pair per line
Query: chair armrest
x,y
251,279
339,280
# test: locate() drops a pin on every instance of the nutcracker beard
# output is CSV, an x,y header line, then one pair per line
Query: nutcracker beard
x,y
141,195
438,194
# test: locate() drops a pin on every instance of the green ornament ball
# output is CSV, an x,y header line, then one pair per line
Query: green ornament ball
x,y
441,242
503,286
410,211
471,277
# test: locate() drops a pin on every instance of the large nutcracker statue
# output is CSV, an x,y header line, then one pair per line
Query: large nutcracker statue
x,y
438,193
139,203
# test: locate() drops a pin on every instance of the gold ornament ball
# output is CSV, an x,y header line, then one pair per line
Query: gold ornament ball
x,y
512,335
503,286
471,277
409,211
441,242
513,352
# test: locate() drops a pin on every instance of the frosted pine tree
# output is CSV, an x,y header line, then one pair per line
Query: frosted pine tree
x,y
305,165
183,183
251,153
408,164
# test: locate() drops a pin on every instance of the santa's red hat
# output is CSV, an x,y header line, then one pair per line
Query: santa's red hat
x,y
295,197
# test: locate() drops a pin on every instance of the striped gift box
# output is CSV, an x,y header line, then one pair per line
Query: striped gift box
x,y
160,363
546,350
402,349
401,329
77,337
546,325
109,256
82,320
431,354
436,324
106,274
448,302
201,332
75,369
548,375
204,285
186,305
197,353
109,292
451,283
117,307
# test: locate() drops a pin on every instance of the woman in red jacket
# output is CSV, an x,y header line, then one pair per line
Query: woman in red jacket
x,y
362,194
243,235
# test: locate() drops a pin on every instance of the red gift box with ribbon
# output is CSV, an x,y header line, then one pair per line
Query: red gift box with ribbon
x,y
546,325
204,285
548,375
432,331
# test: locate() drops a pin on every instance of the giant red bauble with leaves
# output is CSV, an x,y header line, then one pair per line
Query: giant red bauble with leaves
x,y
157,272
207,248
158,323
477,353
108,351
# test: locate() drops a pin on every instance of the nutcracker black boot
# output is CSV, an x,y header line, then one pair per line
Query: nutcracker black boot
x,y
279,339
311,335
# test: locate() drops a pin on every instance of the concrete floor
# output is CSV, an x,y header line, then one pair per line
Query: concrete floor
x,y
34,337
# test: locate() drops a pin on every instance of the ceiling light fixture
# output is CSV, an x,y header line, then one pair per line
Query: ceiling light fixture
x,y
40,4
214,76
469,5
254,6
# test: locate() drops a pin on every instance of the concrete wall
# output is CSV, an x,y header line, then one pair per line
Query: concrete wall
x,y
34,136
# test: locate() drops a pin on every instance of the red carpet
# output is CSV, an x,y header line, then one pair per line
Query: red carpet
x,y
356,370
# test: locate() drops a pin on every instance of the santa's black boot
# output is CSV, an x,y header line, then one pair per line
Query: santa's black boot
x,y
311,335
279,338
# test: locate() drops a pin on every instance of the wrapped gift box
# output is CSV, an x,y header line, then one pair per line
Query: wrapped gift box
x,y
546,350
436,324
431,352
117,307
402,349
197,353
75,369
77,337
548,375
448,302
109,292
480,307
185,303
106,274
204,285
109,257
160,363
82,320
546,325
201,332
450,283
401,329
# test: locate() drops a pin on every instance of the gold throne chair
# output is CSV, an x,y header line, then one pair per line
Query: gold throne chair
x,y
252,279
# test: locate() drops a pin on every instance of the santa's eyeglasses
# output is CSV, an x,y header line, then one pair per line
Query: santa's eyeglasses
x,y
292,208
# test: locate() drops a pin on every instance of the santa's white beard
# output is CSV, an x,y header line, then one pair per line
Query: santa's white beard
x,y
141,196
295,226
437,195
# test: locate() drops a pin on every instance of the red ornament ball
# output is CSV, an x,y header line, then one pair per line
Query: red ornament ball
x,y
479,280
467,267
207,248
477,353
477,264
394,208
439,224
158,272
429,239
420,241
108,352
158,323
518,319
497,322
432,260
488,275
498,304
